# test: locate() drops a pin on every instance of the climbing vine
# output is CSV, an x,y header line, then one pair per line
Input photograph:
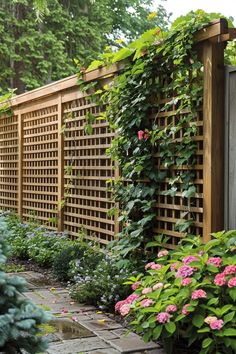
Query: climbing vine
x,y
157,66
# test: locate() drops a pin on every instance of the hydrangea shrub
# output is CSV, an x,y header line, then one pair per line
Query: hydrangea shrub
x,y
188,294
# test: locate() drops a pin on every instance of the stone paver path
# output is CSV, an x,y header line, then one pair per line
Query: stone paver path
x,y
78,328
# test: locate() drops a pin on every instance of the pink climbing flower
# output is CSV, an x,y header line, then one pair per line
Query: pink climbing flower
x,y
158,286
124,310
217,324
146,302
232,282
186,281
163,317
185,309
231,269
171,308
162,253
184,271
146,135
140,134
216,261
146,291
220,279
136,285
198,294
188,259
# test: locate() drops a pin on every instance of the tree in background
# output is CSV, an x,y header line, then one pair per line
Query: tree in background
x,y
34,53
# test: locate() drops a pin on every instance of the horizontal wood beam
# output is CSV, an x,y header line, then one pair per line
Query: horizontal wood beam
x,y
217,31
214,29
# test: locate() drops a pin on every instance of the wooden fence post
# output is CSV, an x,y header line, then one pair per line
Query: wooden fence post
x,y
60,166
213,143
20,164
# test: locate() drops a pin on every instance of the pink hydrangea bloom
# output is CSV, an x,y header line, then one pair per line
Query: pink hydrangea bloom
x,y
232,282
188,259
163,317
171,308
198,294
174,266
124,310
220,279
148,265
184,271
162,253
156,266
186,281
146,302
118,305
185,309
231,269
140,134
217,324
158,286
135,285
210,319
146,291
131,298
216,261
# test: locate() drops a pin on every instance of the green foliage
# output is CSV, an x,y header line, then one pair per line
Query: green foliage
x,y
34,53
19,318
62,266
100,285
189,294
31,241
12,268
147,152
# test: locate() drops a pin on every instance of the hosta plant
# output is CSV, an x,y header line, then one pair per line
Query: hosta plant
x,y
188,295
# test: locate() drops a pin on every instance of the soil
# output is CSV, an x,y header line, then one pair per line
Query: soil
x,y
33,267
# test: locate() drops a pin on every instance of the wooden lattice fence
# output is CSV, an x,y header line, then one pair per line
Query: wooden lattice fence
x,y
35,154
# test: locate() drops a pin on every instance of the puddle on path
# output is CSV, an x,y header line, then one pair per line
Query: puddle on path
x,y
65,329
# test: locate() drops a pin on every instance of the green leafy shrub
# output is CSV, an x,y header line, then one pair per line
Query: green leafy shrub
x,y
102,285
190,294
62,265
19,318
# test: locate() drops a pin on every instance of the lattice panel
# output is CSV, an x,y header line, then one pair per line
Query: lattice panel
x,y
88,201
8,162
170,209
40,164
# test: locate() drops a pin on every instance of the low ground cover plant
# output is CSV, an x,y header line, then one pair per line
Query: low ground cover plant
x,y
188,294
102,285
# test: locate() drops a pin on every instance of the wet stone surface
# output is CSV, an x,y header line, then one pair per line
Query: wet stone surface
x,y
76,328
